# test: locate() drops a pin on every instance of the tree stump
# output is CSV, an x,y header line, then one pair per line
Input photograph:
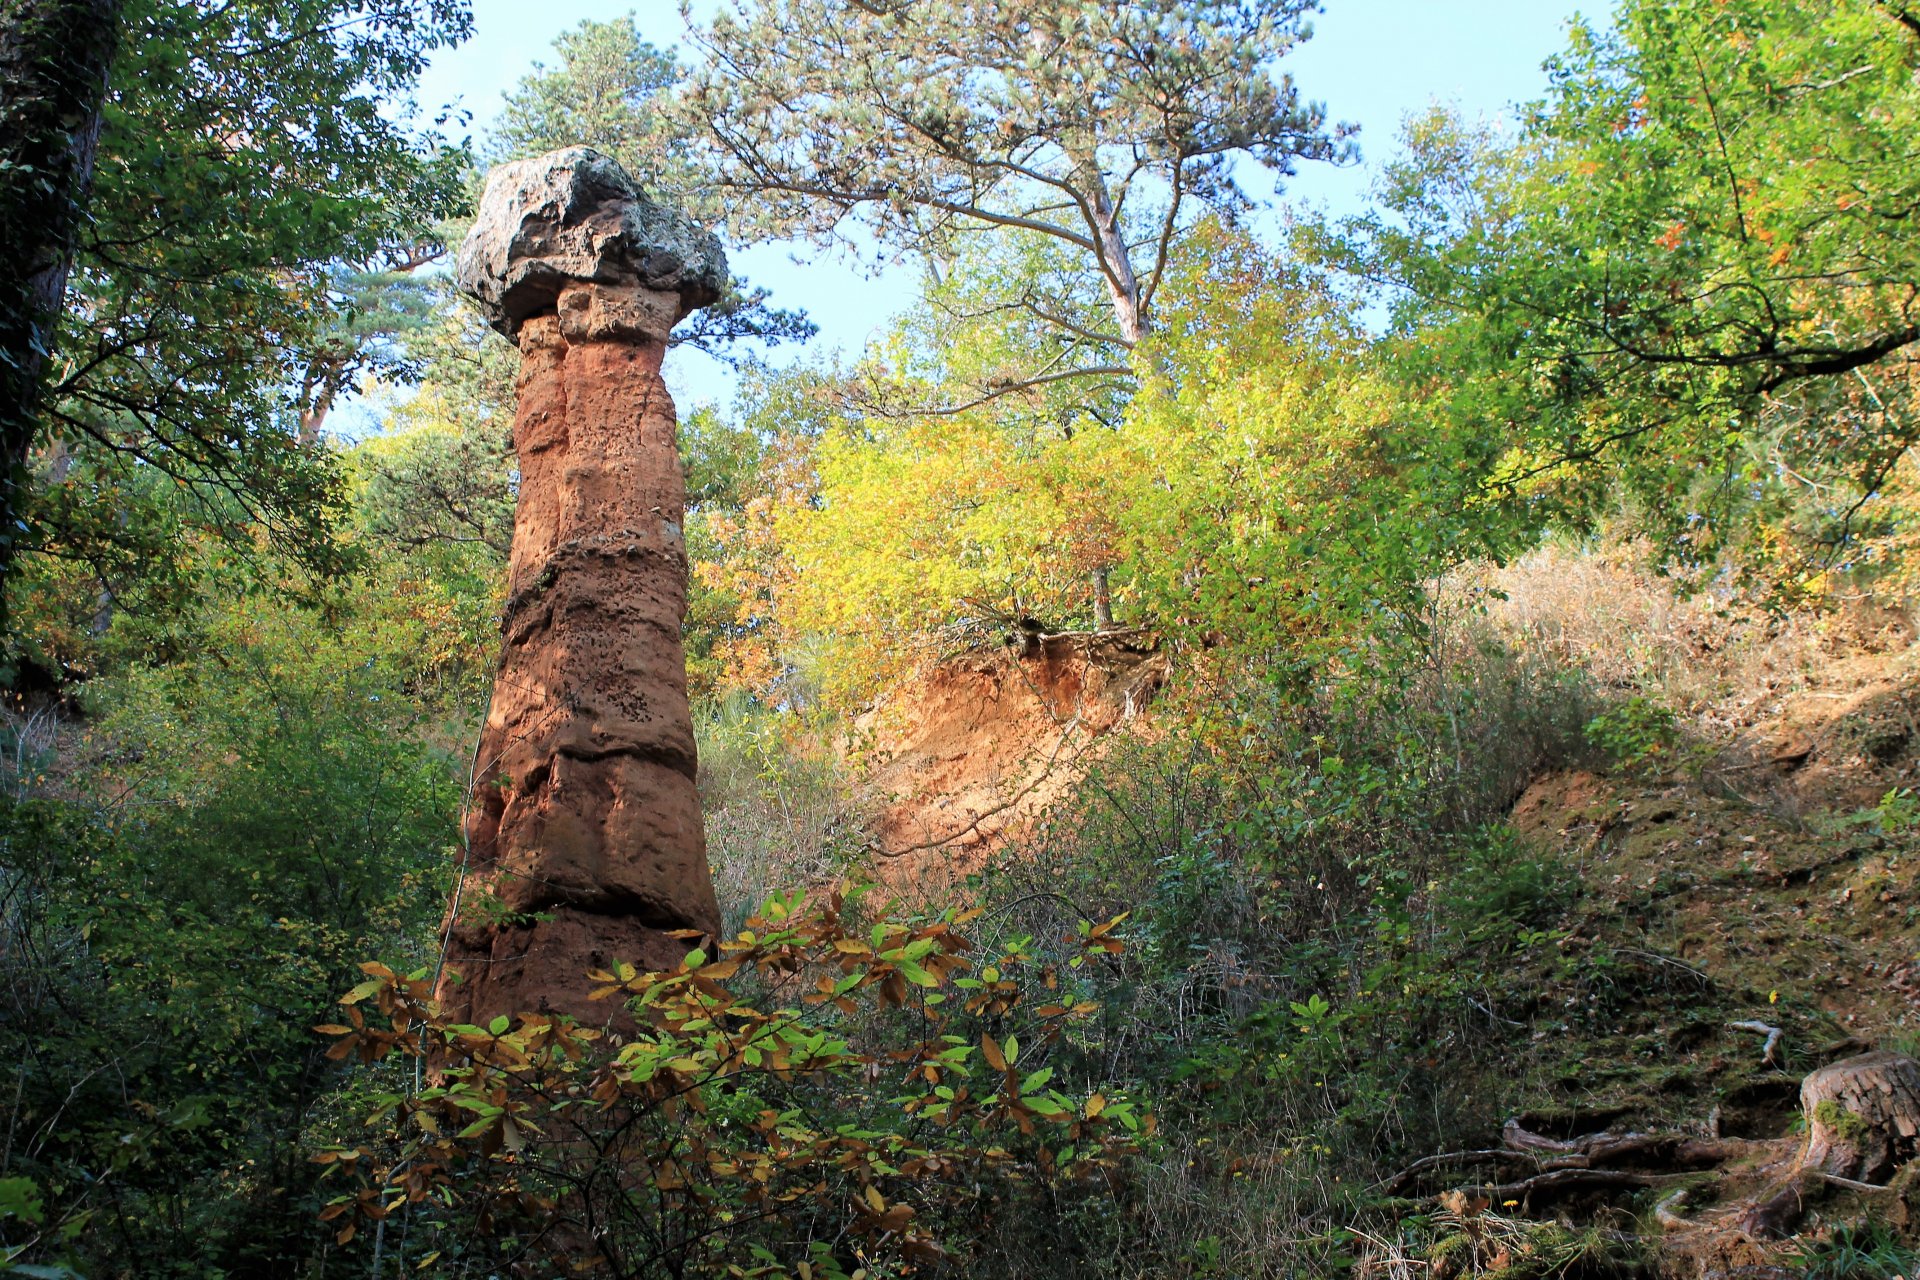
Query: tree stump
x,y
1863,1115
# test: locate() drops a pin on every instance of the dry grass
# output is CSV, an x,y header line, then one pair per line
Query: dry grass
x,y
1717,661
778,812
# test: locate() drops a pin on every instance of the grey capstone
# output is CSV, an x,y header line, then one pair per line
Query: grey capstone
x,y
574,216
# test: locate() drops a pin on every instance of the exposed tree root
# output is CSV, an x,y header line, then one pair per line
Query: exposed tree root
x,y
1862,1124
1770,1050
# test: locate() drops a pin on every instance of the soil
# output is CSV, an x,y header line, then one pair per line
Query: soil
x,y
963,758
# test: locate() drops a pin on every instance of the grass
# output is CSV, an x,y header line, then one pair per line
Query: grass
x,y
1865,1252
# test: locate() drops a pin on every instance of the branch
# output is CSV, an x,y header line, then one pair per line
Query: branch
x,y
1772,1033
1839,361
1023,384
764,177
1167,228
1726,161
1026,303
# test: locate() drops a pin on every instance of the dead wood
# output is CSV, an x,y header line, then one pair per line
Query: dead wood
x,y
1769,1050
1494,1155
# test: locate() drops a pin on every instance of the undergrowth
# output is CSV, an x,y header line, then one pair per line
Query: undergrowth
x,y
1865,1252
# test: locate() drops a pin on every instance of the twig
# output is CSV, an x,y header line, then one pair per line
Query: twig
x,y
1678,964
1869,1188
1491,1014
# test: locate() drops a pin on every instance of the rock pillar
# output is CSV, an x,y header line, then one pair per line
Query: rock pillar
x,y
585,841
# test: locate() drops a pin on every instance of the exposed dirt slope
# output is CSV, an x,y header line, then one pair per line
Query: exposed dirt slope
x,y
1772,886
962,759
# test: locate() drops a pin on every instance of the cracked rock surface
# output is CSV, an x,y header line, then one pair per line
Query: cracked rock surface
x,y
574,216
584,830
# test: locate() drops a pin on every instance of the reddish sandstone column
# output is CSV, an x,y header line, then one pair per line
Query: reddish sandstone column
x,y
585,837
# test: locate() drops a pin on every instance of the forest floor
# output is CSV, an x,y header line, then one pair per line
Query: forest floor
x,y
1764,867
1739,902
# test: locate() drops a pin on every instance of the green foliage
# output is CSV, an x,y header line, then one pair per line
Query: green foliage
x,y
1639,734
776,795
1259,487
230,836
248,152
816,1098
1865,1252
1292,918
600,95
1898,811
1101,128
1501,890
945,94
1686,274
1337,948
737,641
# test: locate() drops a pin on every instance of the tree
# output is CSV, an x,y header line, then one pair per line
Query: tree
x,y
246,154
1262,499
1693,263
233,833
374,315
442,472
741,566
1099,126
600,95
54,56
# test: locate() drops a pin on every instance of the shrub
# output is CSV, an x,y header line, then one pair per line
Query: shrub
x,y
817,1100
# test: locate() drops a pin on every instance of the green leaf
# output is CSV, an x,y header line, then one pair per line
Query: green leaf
x,y
20,1198
362,991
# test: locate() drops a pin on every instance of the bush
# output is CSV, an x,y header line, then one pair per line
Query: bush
x,y
818,1100
775,803
1316,889
231,842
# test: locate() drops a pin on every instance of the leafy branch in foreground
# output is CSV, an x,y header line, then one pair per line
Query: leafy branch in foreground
x,y
818,1098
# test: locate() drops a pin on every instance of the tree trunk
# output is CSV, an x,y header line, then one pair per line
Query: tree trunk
x,y
54,58
1116,267
1102,600
1123,290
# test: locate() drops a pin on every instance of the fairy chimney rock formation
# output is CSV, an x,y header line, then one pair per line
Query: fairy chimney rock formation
x,y
584,831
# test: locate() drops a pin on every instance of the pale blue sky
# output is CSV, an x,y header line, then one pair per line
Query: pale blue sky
x,y
1371,62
